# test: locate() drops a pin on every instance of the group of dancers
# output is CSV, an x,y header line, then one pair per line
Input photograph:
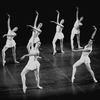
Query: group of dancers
x,y
34,44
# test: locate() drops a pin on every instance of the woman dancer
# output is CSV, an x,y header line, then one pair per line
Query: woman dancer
x,y
76,31
85,58
10,43
35,33
32,65
58,35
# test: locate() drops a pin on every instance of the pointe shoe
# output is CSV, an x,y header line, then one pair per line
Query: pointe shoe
x,y
4,62
54,52
72,80
80,47
16,62
95,81
40,87
24,89
73,49
62,51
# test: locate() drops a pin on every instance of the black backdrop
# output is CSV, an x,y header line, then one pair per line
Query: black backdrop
x,y
22,12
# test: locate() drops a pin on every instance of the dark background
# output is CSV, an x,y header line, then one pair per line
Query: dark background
x,y
22,13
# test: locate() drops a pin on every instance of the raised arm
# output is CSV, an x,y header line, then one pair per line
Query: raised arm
x,y
77,13
58,16
36,18
8,22
95,29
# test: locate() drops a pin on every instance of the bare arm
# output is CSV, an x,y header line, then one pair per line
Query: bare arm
x,y
35,22
77,13
4,35
30,26
58,16
57,23
82,50
8,22
95,29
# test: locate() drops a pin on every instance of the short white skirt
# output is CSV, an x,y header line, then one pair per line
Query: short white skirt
x,y
75,31
59,35
10,43
32,65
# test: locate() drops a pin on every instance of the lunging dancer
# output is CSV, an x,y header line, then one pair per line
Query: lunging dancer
x,y
58,35
10,43
32,65
76,31
85,58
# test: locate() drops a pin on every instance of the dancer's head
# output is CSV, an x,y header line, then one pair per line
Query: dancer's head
x,y
62,21
40,25
81,18
90,42
37,45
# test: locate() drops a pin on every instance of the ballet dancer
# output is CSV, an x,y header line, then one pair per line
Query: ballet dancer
x,y
76,31
32,65
10,43
85,58
58,35
35,33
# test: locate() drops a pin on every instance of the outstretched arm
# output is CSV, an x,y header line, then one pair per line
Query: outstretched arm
x,y
77,13
95,29
35,22
30,26
8,22
4,35
58,16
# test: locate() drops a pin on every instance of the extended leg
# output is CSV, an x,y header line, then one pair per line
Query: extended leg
x,y
72,41
90,70
61,45
23,78
3,55
36,72
78,41
54,45
14,54
78,63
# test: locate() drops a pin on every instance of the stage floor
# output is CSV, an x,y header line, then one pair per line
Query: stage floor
x,y
55,75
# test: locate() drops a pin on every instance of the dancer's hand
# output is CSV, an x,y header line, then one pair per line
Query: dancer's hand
x,y
77,8
37,13
57,11
8,15
94,27
22,57
39,57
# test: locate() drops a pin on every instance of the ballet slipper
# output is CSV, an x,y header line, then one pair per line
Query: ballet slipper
x,y
95,81
80,47
62,51
54,52
40,87
4,62
72,80
24,89
16,62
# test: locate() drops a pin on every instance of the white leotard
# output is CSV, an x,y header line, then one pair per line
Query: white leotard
x,y
85,55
